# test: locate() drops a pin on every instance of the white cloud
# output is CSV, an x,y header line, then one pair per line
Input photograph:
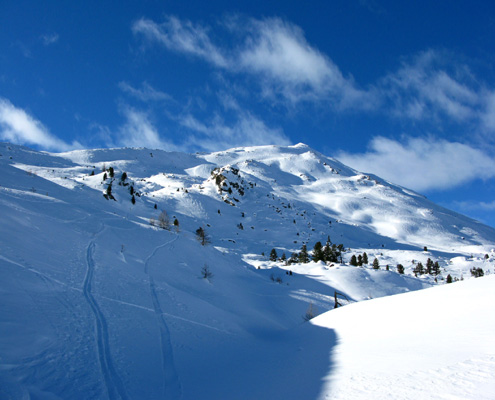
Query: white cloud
x,y
423,164
181,36
138,131
488,112
247,130
432,86
145,93
49,38
428,87
17,126
270,49
475,206
279,52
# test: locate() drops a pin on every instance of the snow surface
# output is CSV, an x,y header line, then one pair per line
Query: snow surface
x,y
432,344
97,303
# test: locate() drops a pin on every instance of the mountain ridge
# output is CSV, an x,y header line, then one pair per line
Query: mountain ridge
x,y
97,293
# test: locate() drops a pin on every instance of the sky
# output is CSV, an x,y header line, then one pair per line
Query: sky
x,y
403,90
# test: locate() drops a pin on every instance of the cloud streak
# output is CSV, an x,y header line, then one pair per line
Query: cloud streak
x,y
423,164
138,131
145,94
19,127
247,130
181,36
429,87
273,51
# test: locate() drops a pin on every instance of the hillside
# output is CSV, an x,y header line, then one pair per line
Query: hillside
x,y
100,302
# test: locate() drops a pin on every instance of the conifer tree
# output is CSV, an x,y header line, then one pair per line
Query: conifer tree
x,y
436,268
303,255
376,263
400,269
111,172
429,266
353,261
327,251
202,236
419,269
359,260
273,255
365,258
318,252
294,258
449,278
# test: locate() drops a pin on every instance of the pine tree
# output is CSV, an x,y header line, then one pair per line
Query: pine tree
x,y
318,252
202,236
353,261
327,251
123,177
273,255
419,269
376,263
283,258
111,172
294,258
449,279
105,176
365,258
359,260
400,269
133,200
429,266
436,268
303,255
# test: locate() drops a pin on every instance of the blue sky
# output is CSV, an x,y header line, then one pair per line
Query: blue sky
x,y
404,90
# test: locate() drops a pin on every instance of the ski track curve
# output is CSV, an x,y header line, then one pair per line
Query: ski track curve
x,y
172,386
113,383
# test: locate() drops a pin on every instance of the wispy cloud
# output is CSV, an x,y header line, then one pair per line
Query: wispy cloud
x,y
138,131
49,38
475,206
247,130
181,36
274,51
278,51
19,127
423,163
146,93
432,86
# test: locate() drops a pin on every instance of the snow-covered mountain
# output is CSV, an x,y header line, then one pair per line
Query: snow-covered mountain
x,y
98,301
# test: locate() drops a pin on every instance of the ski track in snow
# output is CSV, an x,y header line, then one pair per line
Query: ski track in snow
x,y
112,381
172,386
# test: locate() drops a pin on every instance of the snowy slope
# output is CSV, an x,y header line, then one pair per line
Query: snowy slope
x,y
432,344
98,303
